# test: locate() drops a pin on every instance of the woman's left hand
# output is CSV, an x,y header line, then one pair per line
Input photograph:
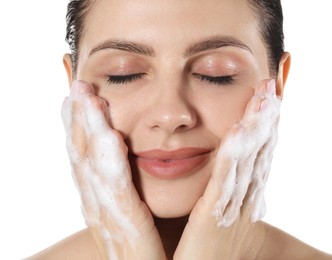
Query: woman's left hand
x,y
234,198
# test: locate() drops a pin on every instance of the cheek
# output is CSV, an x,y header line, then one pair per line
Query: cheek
x,y
127,113
123,108
126,108
221,113
123,115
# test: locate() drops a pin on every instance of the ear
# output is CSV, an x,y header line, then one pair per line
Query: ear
x,y
284,66
68,67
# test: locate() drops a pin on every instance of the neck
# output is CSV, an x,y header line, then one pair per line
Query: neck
x,y
170,231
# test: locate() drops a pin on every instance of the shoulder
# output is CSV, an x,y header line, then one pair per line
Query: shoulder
x,y
77,246
280,245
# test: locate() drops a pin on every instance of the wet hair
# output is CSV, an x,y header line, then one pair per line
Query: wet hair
x,y
270,20
77,10
268,12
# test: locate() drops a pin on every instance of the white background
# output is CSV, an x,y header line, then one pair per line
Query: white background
x,y
39,204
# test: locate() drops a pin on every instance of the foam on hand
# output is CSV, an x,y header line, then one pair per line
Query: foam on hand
x,y
100,169
249,153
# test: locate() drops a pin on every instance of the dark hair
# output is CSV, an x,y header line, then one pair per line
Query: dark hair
x,y
268,13
270,19
77,11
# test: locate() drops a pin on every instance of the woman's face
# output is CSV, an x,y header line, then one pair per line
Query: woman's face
x,y
176,76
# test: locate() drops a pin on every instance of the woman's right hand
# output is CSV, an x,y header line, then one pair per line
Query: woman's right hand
x,y
121,223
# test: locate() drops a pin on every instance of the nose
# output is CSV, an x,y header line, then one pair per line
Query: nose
x,y
171,112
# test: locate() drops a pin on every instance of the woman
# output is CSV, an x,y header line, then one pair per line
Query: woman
x,y
191,93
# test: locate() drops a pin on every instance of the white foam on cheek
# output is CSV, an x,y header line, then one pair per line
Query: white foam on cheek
x,y
239,147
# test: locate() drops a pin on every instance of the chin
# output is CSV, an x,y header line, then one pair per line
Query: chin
x,y
173,208
172,198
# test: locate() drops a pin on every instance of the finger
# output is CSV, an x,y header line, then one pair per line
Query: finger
x,y
244,175
66,114
267,94
263,125
112,181
226,191
80,89
266,86
90,207
258,110
260,176
106,146
73,132
243,179
223,177
259,206
239,146
73,118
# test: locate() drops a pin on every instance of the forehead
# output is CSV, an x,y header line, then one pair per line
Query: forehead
x,y
169,24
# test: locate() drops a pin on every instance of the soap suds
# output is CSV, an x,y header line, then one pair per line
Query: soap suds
x,y
250,162
100,170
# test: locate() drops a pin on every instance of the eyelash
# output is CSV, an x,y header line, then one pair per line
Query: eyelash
x,y
219,80
123,79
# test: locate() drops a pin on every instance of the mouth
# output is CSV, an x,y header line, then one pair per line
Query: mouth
x,y
172,164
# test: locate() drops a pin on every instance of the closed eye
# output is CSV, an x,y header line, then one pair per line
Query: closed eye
x,y
123,79
219,80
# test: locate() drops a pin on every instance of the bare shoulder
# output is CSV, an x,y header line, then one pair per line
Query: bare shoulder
x,y
77,246
280,245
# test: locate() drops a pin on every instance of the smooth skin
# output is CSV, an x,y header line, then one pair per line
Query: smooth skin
x,y
174,103
91,158
242,240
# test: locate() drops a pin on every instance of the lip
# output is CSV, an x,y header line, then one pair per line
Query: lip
x,y
172,164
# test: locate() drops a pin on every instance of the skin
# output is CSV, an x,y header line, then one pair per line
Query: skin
x,y
168,108
86,114
154,126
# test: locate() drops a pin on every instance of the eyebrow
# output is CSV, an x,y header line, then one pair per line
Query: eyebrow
x,y
197,47
215,42
134,47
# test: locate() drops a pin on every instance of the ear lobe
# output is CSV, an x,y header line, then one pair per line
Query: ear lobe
x,y
284,66
68,67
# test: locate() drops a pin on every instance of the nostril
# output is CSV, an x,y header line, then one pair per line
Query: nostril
x,y
171,113
183,127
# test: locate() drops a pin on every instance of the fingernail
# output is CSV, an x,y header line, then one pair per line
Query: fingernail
x,y
271,87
